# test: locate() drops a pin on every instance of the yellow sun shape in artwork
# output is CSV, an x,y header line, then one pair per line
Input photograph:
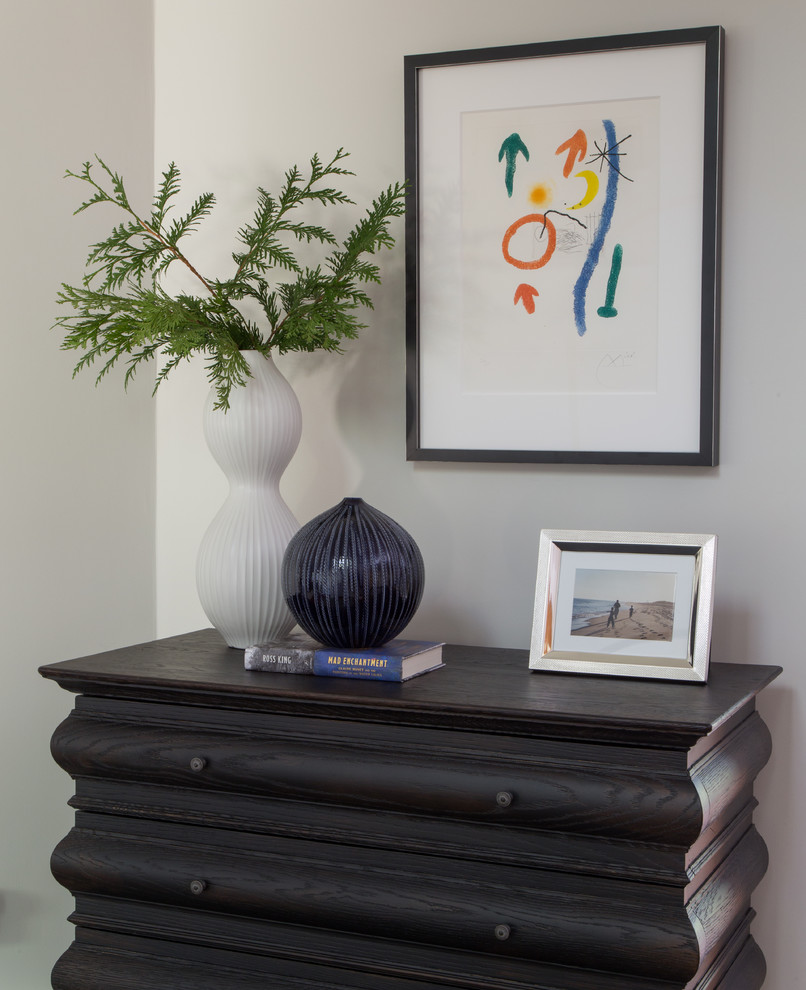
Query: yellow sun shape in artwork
x,y
541,194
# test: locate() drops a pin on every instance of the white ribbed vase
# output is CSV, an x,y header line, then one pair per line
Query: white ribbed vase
x,y
241,554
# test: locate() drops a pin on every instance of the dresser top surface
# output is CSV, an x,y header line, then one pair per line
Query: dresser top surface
x,y
478,688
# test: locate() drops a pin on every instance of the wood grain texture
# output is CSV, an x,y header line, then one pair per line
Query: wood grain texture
x,y
599,793
613,925
479,686
100,960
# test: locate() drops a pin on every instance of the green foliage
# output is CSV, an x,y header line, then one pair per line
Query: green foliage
x,y
121,312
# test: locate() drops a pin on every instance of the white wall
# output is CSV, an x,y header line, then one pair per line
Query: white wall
x,y
241,96
77,488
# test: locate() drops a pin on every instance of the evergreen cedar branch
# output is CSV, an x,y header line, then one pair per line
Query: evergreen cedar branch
x,y
121,310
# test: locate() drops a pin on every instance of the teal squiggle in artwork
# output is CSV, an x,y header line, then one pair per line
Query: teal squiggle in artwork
x,y
608,311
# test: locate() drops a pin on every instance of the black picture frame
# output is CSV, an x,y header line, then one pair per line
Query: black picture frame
x,y
684,429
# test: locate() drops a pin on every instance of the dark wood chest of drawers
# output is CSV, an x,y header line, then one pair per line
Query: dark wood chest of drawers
x,y
482,826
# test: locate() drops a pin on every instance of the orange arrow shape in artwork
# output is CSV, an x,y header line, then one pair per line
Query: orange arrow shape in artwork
x,y
577,147
526,293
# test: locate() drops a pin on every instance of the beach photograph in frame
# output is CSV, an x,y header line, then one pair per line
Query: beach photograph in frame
x,y
562,250
624,604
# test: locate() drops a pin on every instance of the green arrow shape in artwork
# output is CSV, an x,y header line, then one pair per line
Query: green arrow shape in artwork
x,y
509,150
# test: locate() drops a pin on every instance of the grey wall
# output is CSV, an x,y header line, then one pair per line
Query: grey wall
x,y
76,464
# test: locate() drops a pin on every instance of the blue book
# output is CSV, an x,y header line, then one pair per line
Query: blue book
x,y
398,660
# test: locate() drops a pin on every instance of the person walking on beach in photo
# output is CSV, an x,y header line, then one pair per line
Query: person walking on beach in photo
x,y
611,619
631,611
616,607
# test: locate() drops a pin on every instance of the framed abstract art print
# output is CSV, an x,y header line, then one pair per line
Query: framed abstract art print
x,y
562,250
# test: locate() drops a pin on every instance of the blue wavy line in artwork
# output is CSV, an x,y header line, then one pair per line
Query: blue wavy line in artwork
x,y
595,250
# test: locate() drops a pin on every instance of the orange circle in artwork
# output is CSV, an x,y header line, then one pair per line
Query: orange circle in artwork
x,y
544,257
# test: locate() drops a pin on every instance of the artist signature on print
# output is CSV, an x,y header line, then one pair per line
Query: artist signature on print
x,y
610,369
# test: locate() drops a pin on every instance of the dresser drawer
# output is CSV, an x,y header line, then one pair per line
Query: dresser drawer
x,y
523,783
528,914
104,960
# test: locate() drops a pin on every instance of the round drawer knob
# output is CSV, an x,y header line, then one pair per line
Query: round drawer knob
x,y
197,887
197,764
502,932
504,799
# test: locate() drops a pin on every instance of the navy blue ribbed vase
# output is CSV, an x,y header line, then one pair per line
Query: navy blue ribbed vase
x,y
352,577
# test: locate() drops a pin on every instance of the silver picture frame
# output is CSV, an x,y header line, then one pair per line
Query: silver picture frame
x,y
624,604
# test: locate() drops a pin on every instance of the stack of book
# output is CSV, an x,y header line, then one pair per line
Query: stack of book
x,y
397,660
